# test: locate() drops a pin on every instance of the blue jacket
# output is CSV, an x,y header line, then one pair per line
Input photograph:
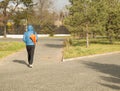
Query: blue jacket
x,y
26,36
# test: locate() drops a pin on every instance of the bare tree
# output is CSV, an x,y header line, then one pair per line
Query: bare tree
x,y
43,5
8,8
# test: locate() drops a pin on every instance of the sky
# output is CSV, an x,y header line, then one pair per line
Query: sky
x,y
60,4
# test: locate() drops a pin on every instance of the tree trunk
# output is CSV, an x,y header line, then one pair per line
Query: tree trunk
x,y
5,29
87,37
5,21
110,39
87,40
94,35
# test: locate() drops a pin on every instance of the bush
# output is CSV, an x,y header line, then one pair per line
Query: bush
x,y
68,42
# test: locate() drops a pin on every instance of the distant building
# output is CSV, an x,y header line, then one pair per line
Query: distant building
x,y
58,23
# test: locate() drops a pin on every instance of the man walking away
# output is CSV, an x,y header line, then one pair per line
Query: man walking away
x,y
30,45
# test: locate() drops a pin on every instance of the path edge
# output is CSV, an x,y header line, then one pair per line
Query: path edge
x,y
96,55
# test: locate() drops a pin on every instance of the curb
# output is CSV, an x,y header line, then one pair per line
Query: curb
x,y
96,55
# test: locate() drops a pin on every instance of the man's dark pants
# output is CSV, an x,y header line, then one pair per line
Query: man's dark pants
x,y
30,51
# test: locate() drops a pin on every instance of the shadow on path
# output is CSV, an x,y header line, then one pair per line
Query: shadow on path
x,y
20,62
112,70
54,45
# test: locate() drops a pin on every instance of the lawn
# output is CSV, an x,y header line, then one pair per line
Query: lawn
x,y
97,46
7,48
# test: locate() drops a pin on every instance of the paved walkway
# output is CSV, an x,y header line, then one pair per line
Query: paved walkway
x,y
101,73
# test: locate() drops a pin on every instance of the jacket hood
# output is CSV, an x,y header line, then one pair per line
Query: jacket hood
x,y
30,28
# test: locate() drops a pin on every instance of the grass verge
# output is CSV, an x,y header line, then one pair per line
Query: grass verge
x,y
97,46
7,48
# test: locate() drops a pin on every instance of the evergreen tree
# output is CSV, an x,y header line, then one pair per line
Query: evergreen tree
x,y
112,25
94,16
83,17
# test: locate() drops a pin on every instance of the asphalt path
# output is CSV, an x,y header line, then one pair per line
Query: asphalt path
x,y
99,73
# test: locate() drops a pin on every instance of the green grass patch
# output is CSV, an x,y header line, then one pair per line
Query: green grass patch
x,y
97,46
7,48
